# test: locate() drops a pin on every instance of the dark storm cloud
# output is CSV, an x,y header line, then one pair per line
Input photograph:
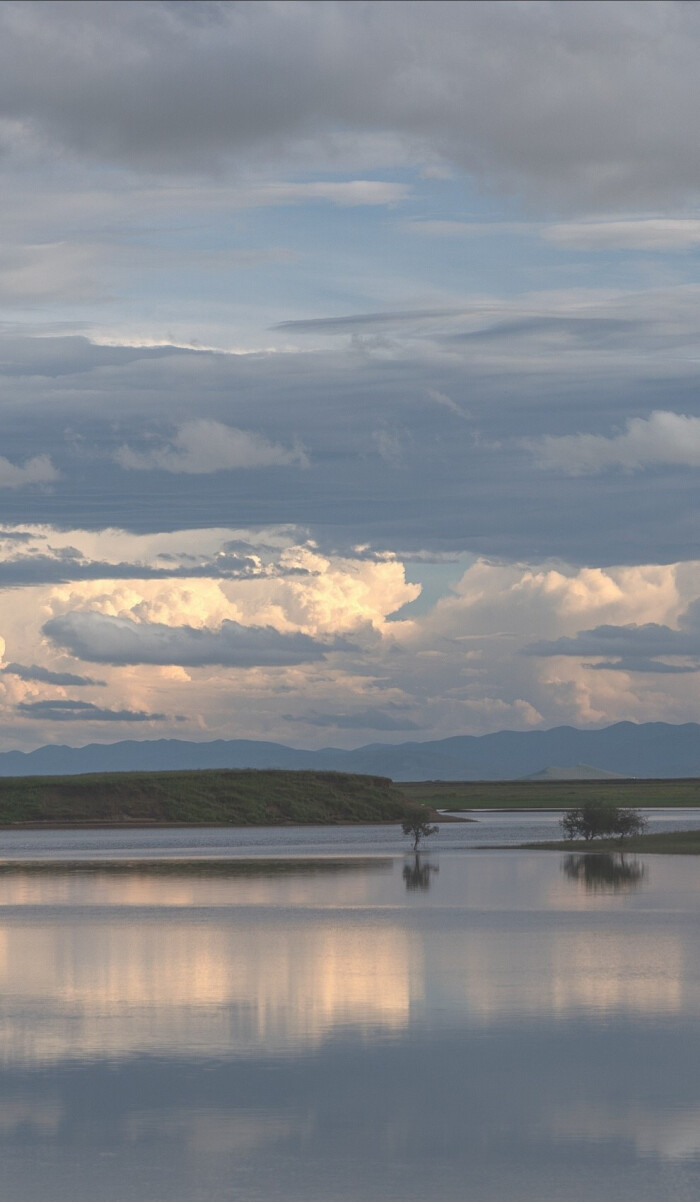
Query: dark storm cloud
x,y
16,536
372,718
632,648
107,640
373,430
82,711
549,98
67,566
45,676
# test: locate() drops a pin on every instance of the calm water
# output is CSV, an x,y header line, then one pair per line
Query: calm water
x,y
480,1025
488,829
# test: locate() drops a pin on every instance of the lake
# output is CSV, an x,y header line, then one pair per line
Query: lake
x,y
314,1015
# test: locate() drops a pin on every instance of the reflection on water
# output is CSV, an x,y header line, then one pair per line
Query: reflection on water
x,y
418,872
515,1026
605,872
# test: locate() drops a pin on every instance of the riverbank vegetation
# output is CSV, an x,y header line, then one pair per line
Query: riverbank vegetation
x,y
669,843
241,797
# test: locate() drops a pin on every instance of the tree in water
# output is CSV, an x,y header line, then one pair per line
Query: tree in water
x,y
598,819
417,827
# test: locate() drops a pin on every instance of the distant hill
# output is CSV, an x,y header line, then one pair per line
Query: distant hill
x,y
650,749
578,772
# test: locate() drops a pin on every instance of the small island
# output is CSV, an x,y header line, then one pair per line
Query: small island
x,y
226,797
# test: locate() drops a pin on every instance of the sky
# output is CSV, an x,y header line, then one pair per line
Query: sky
x,y
349,363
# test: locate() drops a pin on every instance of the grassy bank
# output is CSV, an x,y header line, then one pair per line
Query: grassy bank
x,y
669,843
551,795
235,797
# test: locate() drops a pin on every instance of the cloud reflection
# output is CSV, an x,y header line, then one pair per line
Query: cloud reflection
x,y
280,957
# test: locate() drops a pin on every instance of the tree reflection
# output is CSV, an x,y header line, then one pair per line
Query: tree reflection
x,y
417,873
604,872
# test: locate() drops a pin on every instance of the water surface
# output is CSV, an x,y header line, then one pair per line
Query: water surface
x,y
480,1025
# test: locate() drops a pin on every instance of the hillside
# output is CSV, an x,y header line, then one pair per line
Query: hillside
x,y
627,749
551,794
577,772
236,798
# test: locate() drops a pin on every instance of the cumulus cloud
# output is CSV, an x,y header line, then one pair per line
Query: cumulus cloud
x,y
661,439
202,447
109,640
58,710
38,470
33,672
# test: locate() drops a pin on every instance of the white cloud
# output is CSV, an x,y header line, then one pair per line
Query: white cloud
x,y
201,447
662,438
631,233
296,590
349,193
644,233
63,271
38,470
457,668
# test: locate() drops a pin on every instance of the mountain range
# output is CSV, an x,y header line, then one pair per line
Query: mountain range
x,y
650,749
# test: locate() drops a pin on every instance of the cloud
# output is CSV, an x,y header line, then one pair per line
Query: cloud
x,y
38,470
627,663
108,640
51,271
339,192
34,672
634,233
643,233
539,99
662,438
202,447
30,570
83,711
372,718
357,321
633,648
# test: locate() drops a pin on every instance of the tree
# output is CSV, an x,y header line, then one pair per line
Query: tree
x,y
630,822
598,819
417,827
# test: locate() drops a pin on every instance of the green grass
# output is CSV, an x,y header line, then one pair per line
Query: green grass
x,y
550,795
230,797
669,843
